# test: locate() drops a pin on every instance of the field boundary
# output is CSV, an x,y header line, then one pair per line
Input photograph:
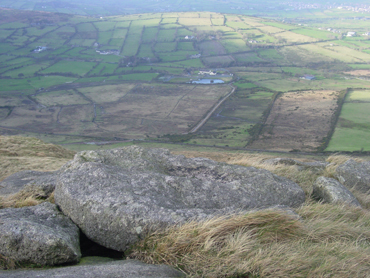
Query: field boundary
x,y
202,122
341,99
255,130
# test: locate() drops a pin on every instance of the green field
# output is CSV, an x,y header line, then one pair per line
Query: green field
x,y
353,123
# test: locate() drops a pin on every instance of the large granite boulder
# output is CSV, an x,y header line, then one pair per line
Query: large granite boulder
x,y
355,175
117,269
330,190
38,235
115,195
45,181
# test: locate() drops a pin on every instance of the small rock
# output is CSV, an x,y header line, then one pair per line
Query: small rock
x,y
38,235
330,191
116,269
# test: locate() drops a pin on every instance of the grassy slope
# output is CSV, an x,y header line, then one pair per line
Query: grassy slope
x,y
23,153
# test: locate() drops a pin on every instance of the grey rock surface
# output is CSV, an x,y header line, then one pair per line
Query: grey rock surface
x,y
46,181
355,175
330,190
115,195
117,269
38,235
316,165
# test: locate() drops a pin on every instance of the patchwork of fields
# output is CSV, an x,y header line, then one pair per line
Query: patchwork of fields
x,y
130,77
124,111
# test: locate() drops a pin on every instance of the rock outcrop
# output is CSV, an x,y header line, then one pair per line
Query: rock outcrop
x,y
43,180
330,190
117,269
38,235
115,195
316,165
355,175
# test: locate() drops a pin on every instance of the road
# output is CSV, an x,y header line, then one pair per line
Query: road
x,y
202,122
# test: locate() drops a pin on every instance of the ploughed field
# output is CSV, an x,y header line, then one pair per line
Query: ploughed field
x,y
78,78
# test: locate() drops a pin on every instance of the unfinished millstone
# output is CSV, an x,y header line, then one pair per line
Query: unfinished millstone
x,y
114,196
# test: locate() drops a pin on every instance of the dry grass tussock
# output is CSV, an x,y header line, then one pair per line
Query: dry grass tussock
x,y
25,153
30,196
328,241
304,178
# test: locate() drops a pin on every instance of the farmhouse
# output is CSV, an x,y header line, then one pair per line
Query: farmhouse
x,y
207,72
351,34
39,49
308,77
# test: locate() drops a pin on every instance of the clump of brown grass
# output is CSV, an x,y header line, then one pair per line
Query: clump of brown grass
x,y
303,177
30,196
330,241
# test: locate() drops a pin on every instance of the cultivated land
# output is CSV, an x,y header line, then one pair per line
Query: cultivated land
x,y
69,78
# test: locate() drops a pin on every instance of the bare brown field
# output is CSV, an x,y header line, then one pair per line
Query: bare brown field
x,y
298,121
270,29
60,98
109,93
156,110
358,72
125,111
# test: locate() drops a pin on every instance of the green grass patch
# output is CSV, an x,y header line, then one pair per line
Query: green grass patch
x,y
149,34
165,47
131,46
15,85
185,46
245,85
166,35
26,71
105,25
145,51
317,34
48,81
349,139
74,67
104,37
146,77
235,45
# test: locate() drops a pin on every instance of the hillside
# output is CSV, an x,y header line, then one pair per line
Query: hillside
x,y
23,153
287,86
